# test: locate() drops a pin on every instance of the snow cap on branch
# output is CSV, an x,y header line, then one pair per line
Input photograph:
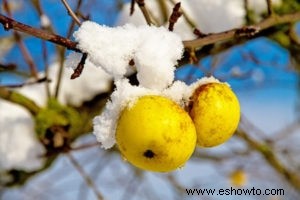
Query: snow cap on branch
x,y
154,50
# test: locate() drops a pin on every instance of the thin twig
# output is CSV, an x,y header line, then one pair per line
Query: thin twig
x,y
85,146
247,12
141,4
87,179
8,67
70,12
176,184
35,81
174,16
198,33
61,58
61,54
37,5
270,9
163,10
77,72
185,15
24,51
72,25
132,4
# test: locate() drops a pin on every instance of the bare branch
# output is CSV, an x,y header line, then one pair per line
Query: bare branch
x,y
35,81
26,55
7,67
145,12
87,179
185,15
218,37
9,23
174,16
85,146
132,7
265,150
80,66
199,33
19,99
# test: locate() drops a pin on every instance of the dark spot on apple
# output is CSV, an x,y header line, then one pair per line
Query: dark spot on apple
x,y
149,153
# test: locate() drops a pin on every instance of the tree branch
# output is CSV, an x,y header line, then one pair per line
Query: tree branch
x,y
9,23
24,50
86,178
218,37
19,99
145,12
271,158
174,16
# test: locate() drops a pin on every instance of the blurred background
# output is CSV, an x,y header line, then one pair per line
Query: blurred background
x,y
262,70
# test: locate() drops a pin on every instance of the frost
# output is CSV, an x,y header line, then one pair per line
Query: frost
x,y
154,50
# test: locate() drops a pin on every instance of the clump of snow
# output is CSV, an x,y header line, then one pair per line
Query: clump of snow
x,y
218,15
45,21
19,148
177,92
181,93
124,95
203,81
154,50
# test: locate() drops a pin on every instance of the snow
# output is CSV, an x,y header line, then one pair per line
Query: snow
x,y
124,95
45,21
154,50
218,15
259,6
19,147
